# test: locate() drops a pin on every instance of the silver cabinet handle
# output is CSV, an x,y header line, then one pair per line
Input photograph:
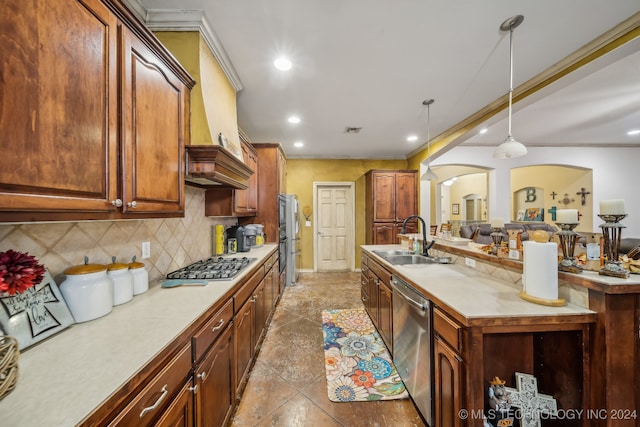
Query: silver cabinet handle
x,y
117,203
202,375
132,204
163,394
218,326
194,389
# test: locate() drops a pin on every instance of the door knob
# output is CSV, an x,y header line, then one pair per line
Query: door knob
x,y
117,203
132,204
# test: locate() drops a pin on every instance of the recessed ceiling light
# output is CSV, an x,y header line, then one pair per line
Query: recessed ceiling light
x,y
634,132
412,138
298,144
483,131
282,64
293,119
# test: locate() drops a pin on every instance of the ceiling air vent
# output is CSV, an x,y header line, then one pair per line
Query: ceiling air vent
x,y
352,130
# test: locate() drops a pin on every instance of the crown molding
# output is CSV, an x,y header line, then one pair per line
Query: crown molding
x,y
193,20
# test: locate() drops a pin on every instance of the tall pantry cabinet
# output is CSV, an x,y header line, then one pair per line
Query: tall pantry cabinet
x,y
272,165
391,196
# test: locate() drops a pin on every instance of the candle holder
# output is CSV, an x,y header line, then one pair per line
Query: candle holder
x,y
497,235
611,231
568,239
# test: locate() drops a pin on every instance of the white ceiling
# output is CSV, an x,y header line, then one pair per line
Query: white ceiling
x,y
371,63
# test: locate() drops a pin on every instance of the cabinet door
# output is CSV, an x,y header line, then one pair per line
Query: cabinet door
x,y
261,313
385,233
385,315
214,379
448,384
372,307
384,196
405,192
282,173
246,201
155,125
243,341
180,412
58,109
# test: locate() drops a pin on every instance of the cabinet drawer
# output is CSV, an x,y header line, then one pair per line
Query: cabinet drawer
x,y
247,289
447,329
380,271
157,395
205,337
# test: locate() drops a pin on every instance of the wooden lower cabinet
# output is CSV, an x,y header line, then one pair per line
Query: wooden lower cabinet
x,y
215,392
243,330
385,315
448,384
152,402
180,412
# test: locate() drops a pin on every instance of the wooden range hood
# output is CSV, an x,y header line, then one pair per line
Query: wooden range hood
x,y
213,166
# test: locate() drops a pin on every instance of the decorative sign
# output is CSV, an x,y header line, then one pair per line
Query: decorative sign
x,y
531,403
36,314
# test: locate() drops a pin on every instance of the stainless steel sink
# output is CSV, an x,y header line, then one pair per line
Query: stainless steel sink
x,y
385,254
416,259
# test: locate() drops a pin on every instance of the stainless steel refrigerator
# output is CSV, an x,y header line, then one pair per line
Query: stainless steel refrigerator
x,y
293,252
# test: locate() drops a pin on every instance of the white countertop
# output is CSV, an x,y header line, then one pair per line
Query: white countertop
x,y
472,294
65,377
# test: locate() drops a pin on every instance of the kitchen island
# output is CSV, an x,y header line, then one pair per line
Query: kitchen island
x,y
89,372
483,329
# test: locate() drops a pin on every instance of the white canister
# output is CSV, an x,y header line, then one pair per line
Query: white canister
x,y
88,291
122,282
140,277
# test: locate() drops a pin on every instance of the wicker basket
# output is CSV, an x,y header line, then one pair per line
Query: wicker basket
x,y
9,354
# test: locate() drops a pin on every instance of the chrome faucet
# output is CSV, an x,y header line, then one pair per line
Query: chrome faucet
x,y
425,247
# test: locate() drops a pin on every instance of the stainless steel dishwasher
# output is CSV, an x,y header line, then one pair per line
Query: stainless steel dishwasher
x,y
413,345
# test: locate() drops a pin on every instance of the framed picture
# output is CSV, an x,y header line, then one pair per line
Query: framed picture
x,y
36,314
534,214
455,209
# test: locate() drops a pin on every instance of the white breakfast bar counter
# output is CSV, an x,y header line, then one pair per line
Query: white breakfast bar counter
x,y
471,295
67,376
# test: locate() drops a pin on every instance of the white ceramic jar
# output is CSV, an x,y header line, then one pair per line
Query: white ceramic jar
x,y
140,277
88,291
122,282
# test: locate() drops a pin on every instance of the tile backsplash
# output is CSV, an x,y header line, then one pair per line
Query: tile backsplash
x,y
175,242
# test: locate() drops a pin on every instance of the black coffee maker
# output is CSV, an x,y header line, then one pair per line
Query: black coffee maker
x,y
237,232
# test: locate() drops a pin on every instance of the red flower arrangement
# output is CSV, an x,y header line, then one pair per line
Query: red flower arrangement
x,y
19,272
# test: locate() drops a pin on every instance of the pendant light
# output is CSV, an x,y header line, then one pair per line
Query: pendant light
x,y
510,147
428,175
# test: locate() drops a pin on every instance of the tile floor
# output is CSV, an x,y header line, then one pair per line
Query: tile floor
x,y
287,386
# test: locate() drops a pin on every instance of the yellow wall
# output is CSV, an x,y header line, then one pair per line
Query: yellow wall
x,y
469,184
561,180
302,173
213,99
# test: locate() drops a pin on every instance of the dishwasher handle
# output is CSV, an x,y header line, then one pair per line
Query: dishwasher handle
x,y
422,306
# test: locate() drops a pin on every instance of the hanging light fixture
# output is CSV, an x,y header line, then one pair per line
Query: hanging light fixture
x,y
510,147
428,175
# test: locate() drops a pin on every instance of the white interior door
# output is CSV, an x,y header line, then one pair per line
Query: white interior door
x,y
334,226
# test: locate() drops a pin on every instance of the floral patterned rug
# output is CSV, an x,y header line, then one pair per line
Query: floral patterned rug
x,y
358,365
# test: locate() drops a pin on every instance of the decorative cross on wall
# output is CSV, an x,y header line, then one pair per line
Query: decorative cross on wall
x,y
583,193
565,200
553,195
552,211
531,403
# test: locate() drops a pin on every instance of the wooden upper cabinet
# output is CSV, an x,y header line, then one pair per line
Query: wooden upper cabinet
x,y
384,196
153,107
405,195
58,109
66,66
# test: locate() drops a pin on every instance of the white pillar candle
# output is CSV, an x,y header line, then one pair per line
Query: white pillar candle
x,y
567,216
497,222
612,207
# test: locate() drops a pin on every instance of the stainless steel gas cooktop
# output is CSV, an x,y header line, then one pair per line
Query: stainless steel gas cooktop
x,y
214,268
